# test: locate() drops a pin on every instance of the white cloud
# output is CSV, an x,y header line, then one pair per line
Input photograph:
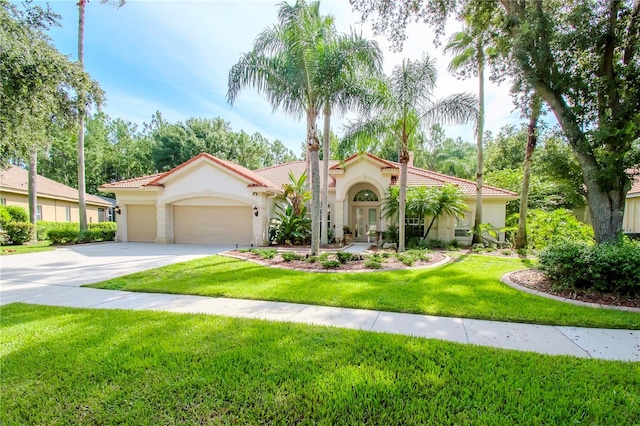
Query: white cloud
x,y
175,57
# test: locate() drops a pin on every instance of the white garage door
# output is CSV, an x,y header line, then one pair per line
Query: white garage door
x,y
141,223
212,225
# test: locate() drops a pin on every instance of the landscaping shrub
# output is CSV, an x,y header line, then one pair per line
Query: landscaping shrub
x,y
103,231
5,217
607,267
19,232
548,228
433,244
330,263
344,256
419,254
373,263
265,253
4,238
63,235
17,214
406,258
324,256
312,259
288,256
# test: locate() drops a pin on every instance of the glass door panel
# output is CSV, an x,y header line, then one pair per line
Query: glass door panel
x,y
372,224
359,223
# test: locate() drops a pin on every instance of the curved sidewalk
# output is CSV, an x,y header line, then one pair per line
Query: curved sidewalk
x,y
607,344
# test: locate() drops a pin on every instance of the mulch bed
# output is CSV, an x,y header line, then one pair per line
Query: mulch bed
x,y
536,280
355,265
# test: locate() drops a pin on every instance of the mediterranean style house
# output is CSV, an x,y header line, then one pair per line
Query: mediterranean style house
x,y
55,202
207,200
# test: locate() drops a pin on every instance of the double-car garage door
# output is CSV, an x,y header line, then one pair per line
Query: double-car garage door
x,y
212,225
226,225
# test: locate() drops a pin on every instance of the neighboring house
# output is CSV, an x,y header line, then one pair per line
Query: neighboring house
x,y
631,220
207,200
55,202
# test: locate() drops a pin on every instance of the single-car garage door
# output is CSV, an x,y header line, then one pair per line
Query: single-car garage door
x,y
141,223
212,225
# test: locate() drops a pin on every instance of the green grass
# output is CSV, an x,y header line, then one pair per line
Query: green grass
x,y
27,248
470,287
74,366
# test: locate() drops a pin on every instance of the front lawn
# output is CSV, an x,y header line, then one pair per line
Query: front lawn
x,y
74,366
470,287
26,248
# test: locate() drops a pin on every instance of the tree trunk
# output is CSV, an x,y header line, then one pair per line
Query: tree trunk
x,y
82,203
313,145
477,238
402,197
606,207
324,230
532,140
33,193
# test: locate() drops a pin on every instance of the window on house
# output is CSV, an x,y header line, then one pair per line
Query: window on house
x,y
39,212
67,213
101,217
463,225
366,195
414,226
3,201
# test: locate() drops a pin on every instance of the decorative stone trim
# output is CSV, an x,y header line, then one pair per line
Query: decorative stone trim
x,y
506,278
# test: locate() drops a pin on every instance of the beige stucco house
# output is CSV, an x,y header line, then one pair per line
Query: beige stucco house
x,y
207,200
55,202
631,220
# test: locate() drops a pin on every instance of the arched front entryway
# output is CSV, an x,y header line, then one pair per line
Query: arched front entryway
x,y
364,212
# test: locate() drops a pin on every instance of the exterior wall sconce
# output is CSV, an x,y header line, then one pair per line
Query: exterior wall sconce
x,y
117,210
255,211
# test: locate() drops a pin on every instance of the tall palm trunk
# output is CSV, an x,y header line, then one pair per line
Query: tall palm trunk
x,y
532,140
82,203
33,192
477,238
324,230
313,146
402,197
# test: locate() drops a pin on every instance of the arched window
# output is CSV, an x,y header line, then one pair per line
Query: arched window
x,y
366,195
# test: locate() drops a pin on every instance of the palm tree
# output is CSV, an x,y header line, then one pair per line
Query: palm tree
x,y
405,105
82,203
346,62
284,66
471,51
436,201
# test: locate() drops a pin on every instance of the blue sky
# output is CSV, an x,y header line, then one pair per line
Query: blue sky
x,y
174,56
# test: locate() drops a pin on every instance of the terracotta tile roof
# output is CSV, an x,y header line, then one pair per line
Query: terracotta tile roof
x,y
386,163
279,174
257,181
15,179
275,177
138,182
635,188
419,177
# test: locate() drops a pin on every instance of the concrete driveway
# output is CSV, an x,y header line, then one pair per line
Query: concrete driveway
x,y
28,276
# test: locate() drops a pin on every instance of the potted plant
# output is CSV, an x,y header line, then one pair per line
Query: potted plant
x,y
347,234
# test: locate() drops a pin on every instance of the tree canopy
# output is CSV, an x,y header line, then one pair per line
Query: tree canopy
x,y
40,87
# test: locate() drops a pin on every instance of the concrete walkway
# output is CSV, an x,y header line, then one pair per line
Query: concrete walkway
x,y
45,279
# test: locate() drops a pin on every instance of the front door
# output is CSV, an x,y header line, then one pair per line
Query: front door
x,y
365,221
